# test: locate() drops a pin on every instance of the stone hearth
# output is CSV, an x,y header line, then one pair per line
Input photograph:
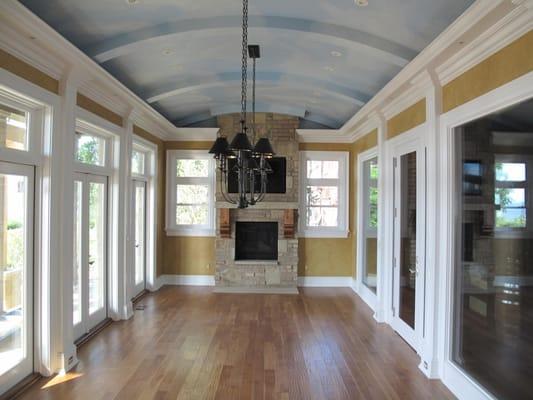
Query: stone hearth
x,y
268,276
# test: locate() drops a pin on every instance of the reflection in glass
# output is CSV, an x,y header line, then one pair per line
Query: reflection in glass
x,y
13,250
139,232
408,263
493,293
137,162
76,276
370,223
96,246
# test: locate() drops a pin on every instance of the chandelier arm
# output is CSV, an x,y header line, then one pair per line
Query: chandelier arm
x,y
222,181
253,103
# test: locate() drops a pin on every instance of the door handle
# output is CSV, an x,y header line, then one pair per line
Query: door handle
x,y
413,271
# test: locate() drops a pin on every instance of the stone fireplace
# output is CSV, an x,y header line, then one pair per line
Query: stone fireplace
x,y
257,247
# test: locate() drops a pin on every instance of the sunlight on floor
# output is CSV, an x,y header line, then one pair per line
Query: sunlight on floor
x,y
61,379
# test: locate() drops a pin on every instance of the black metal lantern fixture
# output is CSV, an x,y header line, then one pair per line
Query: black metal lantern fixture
x,y
251,159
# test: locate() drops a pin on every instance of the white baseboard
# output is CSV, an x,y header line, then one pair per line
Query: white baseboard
x,y
209,280
187,280
325,281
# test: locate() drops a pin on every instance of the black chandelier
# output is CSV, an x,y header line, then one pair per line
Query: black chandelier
x,y
251,161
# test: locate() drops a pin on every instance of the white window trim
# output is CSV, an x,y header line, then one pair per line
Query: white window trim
x,y
87,128
173,229
150,177
340,231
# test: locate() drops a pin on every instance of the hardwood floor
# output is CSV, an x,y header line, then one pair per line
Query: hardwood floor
x,y
189,343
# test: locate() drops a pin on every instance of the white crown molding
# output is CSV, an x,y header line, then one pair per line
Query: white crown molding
x,y
69,57
193,134
505,31
363,128
465,22
412,94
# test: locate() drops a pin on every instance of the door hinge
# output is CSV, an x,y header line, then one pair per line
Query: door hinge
x,y
394,162
395,212
393,311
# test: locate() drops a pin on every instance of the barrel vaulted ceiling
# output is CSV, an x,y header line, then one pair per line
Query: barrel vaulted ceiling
x,y
321,59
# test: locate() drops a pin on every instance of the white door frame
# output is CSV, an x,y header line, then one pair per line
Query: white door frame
x,y
363,291
26,366
89,321
511,93
412,140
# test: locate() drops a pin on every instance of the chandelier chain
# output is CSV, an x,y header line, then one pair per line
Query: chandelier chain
x,y
244,80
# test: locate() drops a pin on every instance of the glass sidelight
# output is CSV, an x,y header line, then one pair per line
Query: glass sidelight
x,y
492,338
16,273
139,226
370,223
409,241
90,252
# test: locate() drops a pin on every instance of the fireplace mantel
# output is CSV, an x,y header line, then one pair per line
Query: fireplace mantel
x,y
263,205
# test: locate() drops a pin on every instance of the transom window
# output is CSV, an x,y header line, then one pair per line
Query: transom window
x,y
324,194
138,162
90,149
190,193
13,128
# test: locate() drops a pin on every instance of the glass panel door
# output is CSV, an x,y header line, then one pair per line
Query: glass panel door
x,y
409,242
16,273
90,252
139,226
370,224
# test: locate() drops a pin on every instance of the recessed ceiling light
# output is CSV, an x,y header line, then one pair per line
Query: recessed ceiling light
x,y
329,68
167,52
132,2
336,53
317,93
361,3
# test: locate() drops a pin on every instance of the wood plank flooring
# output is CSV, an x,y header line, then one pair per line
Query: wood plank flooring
x,y
189,343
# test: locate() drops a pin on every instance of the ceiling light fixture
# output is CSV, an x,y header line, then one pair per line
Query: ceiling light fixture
x,y
167,52
336,53
361,3
132,2
329,68
251,159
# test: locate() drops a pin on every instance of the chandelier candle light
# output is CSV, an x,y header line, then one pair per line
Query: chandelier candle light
x,y
252,161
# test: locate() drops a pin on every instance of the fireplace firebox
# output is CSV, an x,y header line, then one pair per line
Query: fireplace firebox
x,y
256,241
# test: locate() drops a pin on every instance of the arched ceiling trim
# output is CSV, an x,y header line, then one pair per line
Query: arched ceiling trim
x,y
173,89
123,44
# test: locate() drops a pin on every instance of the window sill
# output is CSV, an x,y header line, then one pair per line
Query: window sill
x,y
191,232
332,234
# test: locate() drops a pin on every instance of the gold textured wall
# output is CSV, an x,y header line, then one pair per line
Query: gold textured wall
x,y
407,119
97,109
26,71
502,67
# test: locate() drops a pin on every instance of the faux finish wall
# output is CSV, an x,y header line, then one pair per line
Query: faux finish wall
x,y
509,63
407,119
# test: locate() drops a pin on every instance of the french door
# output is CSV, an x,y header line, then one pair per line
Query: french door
x,y
90,252
409,240
139,227
16,273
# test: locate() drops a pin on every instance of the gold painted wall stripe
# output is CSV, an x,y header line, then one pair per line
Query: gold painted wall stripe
x,y
509,63
95,108
409,118
26,71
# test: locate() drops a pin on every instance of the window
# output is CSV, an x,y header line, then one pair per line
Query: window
x,y
368,215
138,160
510,195
13,128
90,149
324,196
190,193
